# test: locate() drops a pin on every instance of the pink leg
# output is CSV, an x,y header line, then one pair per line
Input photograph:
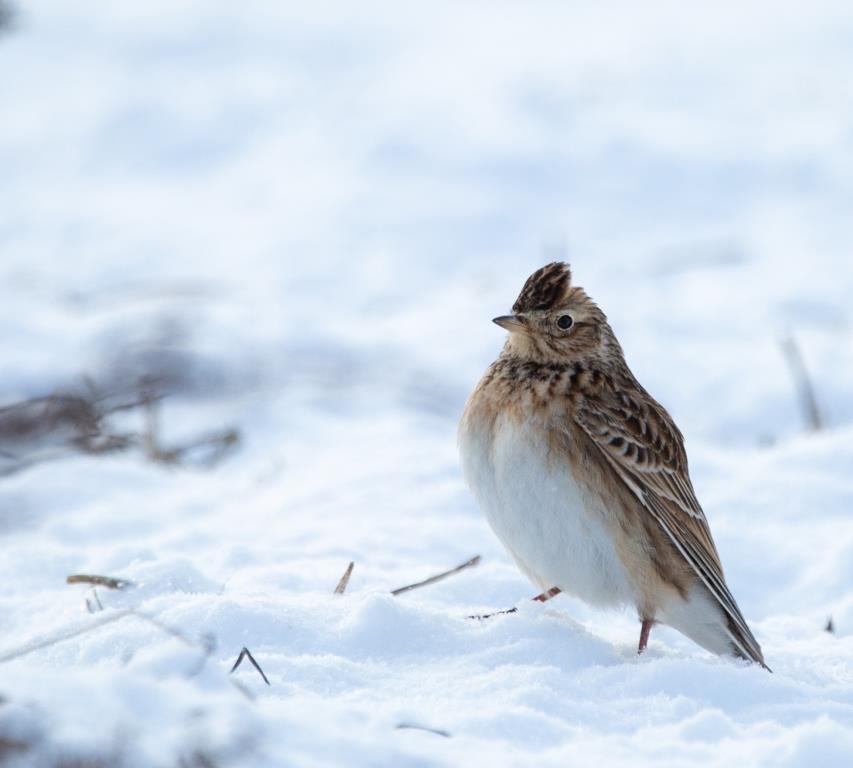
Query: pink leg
x,y
548,594
644,634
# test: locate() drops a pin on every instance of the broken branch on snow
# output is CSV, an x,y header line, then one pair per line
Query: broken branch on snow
x,y
415,727
803,383
245,653
99,581
342,584
481,616
438,577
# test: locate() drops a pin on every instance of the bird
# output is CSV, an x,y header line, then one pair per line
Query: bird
x,y
583,475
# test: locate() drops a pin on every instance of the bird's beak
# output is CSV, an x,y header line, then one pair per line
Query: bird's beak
x,y
513,323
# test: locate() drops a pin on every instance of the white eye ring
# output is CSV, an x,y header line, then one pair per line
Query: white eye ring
x,y
565,322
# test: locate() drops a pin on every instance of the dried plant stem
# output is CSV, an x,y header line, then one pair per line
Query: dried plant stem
x,y
97,605
547,595
245,653
150,436
342,584
544,597
219,442
61,637
99,581
803,383
206,644
481,616
438,577
415,727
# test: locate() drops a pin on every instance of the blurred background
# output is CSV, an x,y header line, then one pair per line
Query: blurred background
x,y
343,197
249,254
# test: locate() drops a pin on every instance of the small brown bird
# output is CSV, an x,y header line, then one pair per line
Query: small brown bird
x,y
583,476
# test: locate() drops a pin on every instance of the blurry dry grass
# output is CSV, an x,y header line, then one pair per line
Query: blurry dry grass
x,y
438,577
17,745
45,428
803,384
7,16
344,580
17,751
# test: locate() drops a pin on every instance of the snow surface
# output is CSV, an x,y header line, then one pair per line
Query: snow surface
x,y
316,209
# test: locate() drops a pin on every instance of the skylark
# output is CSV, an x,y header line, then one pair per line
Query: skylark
x,y
583,476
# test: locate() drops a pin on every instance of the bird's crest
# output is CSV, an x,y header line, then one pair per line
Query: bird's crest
x,y
545,288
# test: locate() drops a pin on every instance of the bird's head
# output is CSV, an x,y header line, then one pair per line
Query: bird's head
x,y
553,322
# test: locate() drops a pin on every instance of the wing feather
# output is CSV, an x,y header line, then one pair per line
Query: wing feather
x,y
645,448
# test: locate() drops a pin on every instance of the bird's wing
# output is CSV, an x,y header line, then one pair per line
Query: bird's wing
x,y
645,448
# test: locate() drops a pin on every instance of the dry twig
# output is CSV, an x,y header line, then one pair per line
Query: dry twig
x,y
803,383
7,16
481,616
61,637
438,577
97,605
99,581
246,653
80,421
342,584
206,643
547,595
415,727
544,597
216,444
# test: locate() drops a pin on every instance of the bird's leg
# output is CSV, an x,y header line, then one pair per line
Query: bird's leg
x,y
644,634
548,594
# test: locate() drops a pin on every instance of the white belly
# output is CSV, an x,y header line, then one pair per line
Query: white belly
x,y
554,529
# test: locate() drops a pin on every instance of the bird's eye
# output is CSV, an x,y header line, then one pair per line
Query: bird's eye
x,y
565,322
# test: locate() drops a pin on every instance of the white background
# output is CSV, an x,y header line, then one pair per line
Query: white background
x,y
317,212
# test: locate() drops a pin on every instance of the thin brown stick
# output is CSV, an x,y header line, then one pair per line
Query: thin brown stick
x,y
150,435
96,605
219,442
342,584
61,637
803,383
544,597
481,616
547,595
416,727
438,577
243,689
7,21
245,653
99,581
205,644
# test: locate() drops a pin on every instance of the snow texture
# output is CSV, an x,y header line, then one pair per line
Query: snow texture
x,y
306,214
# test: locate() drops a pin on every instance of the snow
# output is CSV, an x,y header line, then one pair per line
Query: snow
x,y
307,214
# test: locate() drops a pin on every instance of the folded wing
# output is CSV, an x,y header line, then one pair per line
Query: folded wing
x,y
645,448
